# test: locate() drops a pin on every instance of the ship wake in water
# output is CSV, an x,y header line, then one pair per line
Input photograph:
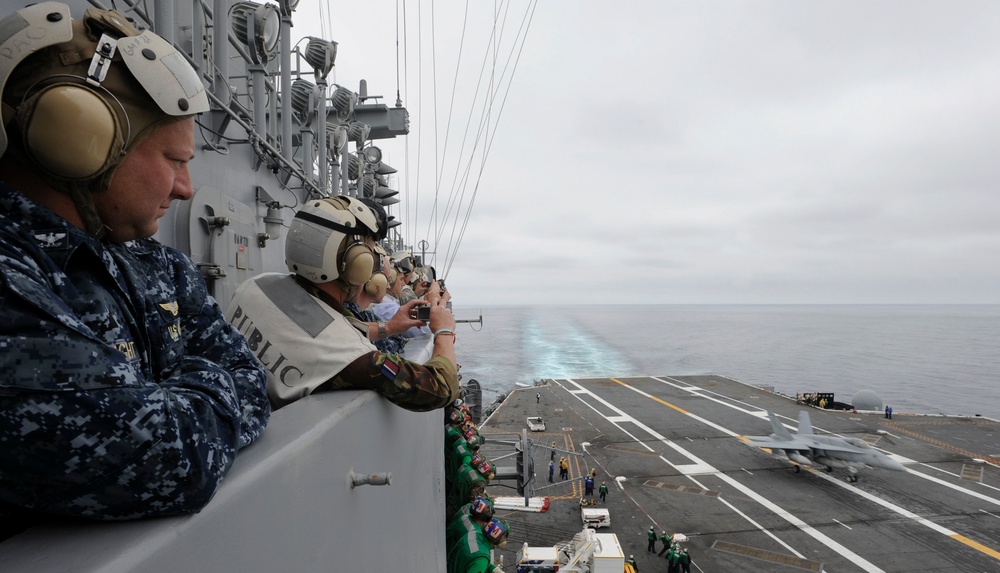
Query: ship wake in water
x,y
563,349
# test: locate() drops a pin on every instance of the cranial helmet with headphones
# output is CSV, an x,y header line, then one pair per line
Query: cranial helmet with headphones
x,y
326,241
380,216
78,95
496,531
403,261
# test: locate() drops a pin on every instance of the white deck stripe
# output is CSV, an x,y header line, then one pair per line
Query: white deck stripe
x,y
890,506
804,527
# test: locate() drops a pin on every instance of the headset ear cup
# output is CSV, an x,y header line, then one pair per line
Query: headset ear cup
x,y
375,287
358,263
70,131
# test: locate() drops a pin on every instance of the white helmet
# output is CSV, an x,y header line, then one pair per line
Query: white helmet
x,y
79,95
326,241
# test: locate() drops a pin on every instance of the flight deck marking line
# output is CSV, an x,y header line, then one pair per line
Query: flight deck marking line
x,y
897,457
777,510
957,488
801,525
751,521
843,524
637,440
939,443
960,538
773,507
623,417
922,521
643,444
891,506
707,394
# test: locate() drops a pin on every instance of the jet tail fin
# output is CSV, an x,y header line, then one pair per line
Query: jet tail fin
x,y
805,424
780,431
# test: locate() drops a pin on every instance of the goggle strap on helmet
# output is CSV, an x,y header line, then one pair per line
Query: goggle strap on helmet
x,y
345,229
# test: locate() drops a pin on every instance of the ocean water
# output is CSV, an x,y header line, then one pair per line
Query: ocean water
x,y
926,359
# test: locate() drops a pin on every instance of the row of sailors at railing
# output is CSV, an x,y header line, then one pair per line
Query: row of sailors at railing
x,y
472,531
126,391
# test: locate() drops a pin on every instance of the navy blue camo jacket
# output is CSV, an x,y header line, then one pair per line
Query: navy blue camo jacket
x,y
124,393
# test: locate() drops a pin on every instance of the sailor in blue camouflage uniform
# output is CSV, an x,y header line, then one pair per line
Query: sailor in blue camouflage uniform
x,y
124,393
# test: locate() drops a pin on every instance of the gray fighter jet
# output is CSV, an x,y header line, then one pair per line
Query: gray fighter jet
x,y
808,449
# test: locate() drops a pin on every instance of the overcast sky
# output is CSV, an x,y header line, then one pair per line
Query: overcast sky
x,y
699,152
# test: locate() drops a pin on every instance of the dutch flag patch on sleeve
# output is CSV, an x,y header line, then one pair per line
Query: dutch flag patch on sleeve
x,y
390,368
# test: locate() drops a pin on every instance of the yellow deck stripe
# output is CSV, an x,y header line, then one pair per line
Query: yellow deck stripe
x,y
665,403
960,538
976,545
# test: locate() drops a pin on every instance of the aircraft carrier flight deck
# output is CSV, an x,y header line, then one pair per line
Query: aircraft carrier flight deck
x,y
673,454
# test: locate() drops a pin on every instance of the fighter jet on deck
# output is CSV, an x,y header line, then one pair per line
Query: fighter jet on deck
x,y
808,449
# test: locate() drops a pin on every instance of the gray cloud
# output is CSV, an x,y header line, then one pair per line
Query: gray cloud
x,y
743,152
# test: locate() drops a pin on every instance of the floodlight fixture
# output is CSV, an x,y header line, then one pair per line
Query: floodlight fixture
x,y
368,189
304,97
288,6
373,155
344,101
353,166
336,140
258,26
386,196
358,131
321,54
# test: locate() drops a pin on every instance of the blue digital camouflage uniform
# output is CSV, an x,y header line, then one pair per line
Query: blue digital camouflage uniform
x,y
124,393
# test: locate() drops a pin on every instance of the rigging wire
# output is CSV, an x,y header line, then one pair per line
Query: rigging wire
x,y
493,99
420,113
437,155
485,133
494,42
525,26
451,108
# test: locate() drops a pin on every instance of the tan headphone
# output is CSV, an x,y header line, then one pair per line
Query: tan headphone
x,y
69,127
46,117
357,263
378,284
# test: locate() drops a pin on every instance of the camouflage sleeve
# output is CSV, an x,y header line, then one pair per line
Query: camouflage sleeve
x,y
87,431
409,385
209,335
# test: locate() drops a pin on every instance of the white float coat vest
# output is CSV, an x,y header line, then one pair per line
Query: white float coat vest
x,y
301,341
